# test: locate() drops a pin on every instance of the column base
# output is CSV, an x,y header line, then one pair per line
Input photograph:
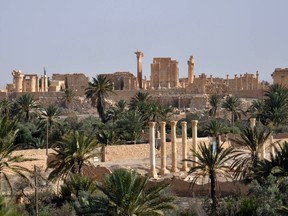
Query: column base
x,y
153,174
164,171
174,169
184,169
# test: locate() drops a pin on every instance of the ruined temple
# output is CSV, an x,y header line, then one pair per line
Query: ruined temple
x,y
123,80
164,73
280,76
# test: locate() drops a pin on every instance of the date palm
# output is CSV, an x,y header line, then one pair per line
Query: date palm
x,y
127,193
26,106
9,162
233,105
68,98
214,101
251,142
97,91
211,164
72,152
5,107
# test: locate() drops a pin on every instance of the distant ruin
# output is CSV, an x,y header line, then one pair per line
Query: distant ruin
x,y
164,85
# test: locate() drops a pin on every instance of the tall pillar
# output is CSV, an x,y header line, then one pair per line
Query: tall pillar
x,y
272,148
257,80
227,80
33,83
24,85
46,83
236,82
252,122
163,169
139,56
184,146
194,138
190,70
153,172
174,146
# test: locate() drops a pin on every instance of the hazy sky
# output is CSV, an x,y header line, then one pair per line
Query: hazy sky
x,y
101,36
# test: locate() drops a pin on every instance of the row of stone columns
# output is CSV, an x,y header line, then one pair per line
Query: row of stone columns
x,y
174,167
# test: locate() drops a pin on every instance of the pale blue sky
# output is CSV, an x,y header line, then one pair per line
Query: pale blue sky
x,y
101,36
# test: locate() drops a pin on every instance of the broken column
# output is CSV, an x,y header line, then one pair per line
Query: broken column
x,y
153,172
163,169
194,139
174,146
252,122
184,145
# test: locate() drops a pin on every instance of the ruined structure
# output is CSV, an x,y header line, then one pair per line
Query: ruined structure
x,y
139,56
27,82
78,82
123,80
164,73
280,76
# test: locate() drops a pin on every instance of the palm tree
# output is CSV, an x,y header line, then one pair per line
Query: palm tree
x,y
26,106
215,128
107,137
251,142
48,118
8,161
257,110
68,98
276,104
72,152
232,104
97,92
210,163
75,185
126,193
214,101
140,100
5,107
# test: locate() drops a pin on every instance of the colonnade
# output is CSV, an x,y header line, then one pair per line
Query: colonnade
x,y
163,150
163,166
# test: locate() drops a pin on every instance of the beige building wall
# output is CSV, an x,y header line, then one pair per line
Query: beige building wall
x,y
164,73
123,80
280,76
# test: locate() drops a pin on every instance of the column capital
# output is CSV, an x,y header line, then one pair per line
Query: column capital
x,y
194,122
173,123
162,123
152,124
183,123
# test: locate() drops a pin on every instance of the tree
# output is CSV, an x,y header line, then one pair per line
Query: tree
x,y
72,152
210,163
126,193
5,107
48,118
9,162
68,98
97,92
75,185
257,110
276,104
215,128
233,105
214,101
252,141
26,106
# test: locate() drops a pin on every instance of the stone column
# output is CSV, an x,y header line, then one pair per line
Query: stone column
x,y
241,86
227,80
236,82
257,80
139,56
272,148
184,145
33,83
46,83
191,70
163,169
24,85
194,138
174,146
153,172
252,122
